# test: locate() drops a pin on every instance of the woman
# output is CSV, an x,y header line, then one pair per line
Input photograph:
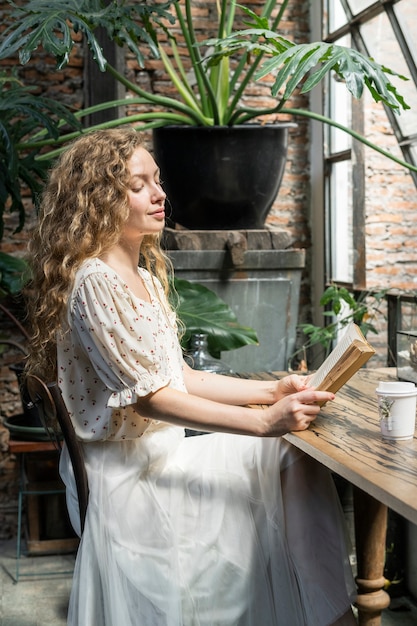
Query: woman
x,y
234,528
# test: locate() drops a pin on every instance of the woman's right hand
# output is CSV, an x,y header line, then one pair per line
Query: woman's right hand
x,y
294,412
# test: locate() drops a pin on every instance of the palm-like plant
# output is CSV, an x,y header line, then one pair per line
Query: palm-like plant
x,y
22,114
209,88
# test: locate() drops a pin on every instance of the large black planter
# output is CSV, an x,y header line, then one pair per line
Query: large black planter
x,y
221,177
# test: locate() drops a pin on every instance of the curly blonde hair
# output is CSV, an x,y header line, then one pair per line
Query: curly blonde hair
x,y
83,210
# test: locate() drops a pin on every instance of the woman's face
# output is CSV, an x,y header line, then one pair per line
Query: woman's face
x,y
146,197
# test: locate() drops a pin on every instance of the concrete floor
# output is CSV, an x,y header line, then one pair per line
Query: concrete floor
x,y
42,598
38,598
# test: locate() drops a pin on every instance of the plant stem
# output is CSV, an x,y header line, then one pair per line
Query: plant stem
x,y
266,12
207,96
163,101
130,119
349,131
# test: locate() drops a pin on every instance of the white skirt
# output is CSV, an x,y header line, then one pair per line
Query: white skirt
x,y
214,530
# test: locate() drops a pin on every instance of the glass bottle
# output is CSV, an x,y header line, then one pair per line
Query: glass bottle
x,y
199,357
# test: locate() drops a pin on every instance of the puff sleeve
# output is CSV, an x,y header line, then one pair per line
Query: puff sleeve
x,y
122,337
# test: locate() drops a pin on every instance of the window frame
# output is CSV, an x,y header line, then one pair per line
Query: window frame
x,y
356,153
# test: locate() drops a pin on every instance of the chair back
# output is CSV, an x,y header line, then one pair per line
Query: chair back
x,y
48,399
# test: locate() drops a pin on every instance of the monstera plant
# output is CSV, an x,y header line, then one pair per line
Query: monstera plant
x,y
209,79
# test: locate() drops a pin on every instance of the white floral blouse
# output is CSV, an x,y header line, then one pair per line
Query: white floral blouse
x,y
118,348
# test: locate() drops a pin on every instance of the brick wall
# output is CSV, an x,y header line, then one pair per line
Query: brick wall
x,y
391,219
391,212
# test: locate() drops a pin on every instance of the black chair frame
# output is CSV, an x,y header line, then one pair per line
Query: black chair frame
x,y
53,412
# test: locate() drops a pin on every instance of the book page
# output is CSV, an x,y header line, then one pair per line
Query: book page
x,y
336,357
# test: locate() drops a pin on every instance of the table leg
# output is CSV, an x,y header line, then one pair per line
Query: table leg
x,y
370,534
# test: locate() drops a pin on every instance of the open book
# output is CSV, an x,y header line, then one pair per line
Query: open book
x,y
350,353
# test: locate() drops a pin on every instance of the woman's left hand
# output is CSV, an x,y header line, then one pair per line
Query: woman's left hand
x,y
291,384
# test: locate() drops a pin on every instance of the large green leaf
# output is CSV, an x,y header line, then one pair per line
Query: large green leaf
x,y
24,114
298,62
14,273
305,65
202,311
51,24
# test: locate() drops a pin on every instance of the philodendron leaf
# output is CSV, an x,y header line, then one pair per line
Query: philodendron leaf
x,y
54,25
299,62
24,114
202,311
14,273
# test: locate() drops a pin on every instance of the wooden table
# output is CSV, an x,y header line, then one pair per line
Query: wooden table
x,y
346,438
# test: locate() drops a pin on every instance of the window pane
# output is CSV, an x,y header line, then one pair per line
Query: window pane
x,y
356,6
340,111
406,12
341,234
383,46
336,16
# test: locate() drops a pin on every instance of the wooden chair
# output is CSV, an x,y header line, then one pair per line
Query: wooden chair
x,y
52,411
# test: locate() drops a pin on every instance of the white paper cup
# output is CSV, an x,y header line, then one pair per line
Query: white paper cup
x,y
397,409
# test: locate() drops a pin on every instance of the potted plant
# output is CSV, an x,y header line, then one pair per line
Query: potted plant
x,y
22,115
209,91
340,308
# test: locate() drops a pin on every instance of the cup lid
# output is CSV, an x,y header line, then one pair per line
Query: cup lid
x,y
396,387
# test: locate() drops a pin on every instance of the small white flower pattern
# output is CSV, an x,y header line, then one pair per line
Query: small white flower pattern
x,y
117,349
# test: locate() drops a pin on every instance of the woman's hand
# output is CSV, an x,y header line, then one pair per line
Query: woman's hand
x,y
291,384
242,391
292,412
295,411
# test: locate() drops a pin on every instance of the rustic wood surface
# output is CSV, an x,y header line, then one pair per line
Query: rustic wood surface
x,y
346,437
